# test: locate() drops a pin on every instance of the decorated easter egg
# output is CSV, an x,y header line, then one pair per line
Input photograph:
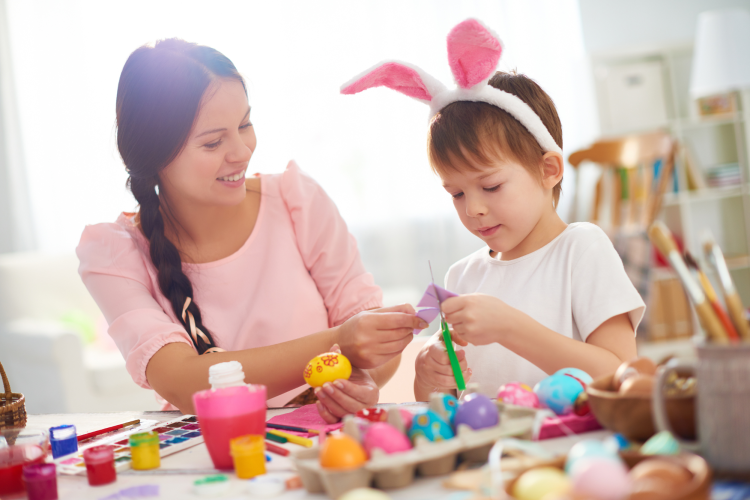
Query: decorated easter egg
x,y
539,483
327,367
576,373
589,449
559,393
364,494
617,443
444,405
373,414
407,417
340,451
516,393
430,425
478,412
661,443
600,478
386,437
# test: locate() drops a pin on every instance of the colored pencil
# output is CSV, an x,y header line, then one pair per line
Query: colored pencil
x,y
291,428
107,429
293,439
711,296
276,449
274,437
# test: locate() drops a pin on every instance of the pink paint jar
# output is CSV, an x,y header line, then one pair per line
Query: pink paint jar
x,y
100,465
41,481
227,413
12,461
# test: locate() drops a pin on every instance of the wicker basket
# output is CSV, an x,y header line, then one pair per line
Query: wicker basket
x,y
12,405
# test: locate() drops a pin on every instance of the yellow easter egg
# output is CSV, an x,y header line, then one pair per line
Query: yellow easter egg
x,y
327,367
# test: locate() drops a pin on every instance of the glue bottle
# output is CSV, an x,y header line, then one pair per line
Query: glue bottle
x,y
228,374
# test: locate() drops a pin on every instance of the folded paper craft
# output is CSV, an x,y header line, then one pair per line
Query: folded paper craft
x,y
430,303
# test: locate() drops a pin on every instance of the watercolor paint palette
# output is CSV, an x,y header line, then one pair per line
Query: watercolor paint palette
x,y
174,436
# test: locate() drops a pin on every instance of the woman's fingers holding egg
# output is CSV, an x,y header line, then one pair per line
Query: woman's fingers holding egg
x,y
329,417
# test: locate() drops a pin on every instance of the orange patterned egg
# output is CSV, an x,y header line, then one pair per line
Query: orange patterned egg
x,y
340,451
327,367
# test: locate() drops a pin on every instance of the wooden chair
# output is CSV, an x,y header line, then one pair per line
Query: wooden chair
x,y
635,187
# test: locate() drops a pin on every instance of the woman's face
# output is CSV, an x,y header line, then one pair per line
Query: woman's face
x,y
210,170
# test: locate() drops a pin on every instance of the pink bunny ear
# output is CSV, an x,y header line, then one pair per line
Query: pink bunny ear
x,y
473,52
400,77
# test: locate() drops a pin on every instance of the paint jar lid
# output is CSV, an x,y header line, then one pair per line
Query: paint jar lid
x,y
266,486
98,454
247,445
62,432
227,374
39,472
142,438
211,486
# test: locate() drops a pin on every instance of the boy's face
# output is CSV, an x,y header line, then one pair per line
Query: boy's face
x,y
501,203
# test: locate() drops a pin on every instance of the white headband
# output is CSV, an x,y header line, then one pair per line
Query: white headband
x,y
473,53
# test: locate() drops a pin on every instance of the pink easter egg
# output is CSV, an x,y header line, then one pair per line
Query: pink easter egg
x,y
386,437
516,393
601,478
406,416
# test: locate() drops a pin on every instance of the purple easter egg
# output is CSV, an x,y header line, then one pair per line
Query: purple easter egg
x,y
478,412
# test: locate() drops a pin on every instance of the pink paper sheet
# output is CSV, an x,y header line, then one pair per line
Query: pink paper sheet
x,y
568,424
307,417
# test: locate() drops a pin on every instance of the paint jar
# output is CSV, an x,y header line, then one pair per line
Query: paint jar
x,y
227,374
248,453
19,447
144,450
100,465
63,440
41,481
227,413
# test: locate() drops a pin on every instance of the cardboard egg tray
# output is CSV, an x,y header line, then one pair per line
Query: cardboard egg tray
x,y
426,458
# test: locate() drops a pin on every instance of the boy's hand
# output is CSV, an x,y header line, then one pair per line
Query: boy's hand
x,y
343,397
477,318
372,338
433,367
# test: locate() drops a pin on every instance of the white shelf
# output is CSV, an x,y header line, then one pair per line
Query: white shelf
x,y
708,194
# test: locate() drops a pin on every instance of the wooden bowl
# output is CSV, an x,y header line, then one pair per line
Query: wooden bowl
x,y
631,416
698,488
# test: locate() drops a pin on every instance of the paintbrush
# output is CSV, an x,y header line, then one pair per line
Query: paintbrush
x,y
708,289
662,239
732,299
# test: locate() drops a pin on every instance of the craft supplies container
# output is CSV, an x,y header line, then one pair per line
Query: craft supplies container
x,y
12,405
15,453
228,413
248,453
144,450
63,440
722,404
228,374
41,481
100,465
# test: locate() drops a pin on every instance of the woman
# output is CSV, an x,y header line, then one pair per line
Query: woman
x,y
215,267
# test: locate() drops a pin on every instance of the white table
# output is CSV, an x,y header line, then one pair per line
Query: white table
x,y
177,472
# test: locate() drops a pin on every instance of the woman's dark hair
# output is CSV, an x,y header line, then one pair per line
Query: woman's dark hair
x,y
158,99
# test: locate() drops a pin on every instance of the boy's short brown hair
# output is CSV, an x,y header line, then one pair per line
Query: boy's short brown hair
x,y
464,132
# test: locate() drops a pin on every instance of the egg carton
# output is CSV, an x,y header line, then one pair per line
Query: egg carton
x,y
427,458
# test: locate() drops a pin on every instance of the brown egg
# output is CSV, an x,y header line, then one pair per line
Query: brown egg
x,y
662,470
650,489
638,385
633,367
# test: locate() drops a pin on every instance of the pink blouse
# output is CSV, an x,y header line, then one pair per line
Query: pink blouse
x,y
298,273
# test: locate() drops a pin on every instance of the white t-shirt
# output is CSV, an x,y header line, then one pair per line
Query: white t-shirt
x,y
571,285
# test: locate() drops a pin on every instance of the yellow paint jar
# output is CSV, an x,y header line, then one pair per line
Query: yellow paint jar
x,y
144,450
248,453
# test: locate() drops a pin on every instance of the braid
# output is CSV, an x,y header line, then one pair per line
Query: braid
x,y
173,283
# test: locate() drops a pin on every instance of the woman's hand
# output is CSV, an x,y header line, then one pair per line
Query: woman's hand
x,y
372,338
477,318
433,368
344,397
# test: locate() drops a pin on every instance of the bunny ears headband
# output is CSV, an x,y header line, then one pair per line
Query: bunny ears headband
x,y
473,54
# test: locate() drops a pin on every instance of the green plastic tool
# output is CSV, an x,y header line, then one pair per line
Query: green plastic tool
x,y
460,384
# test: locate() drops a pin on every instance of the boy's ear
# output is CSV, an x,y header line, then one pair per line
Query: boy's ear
x,y
553,168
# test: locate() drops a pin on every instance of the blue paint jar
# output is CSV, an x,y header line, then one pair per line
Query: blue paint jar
x,y
63,440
